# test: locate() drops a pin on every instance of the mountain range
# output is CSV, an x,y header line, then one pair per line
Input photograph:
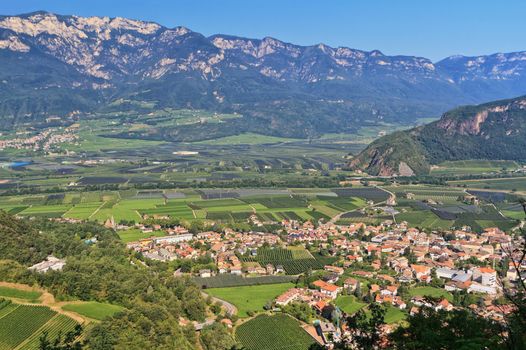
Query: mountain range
x,y
495,130
69,66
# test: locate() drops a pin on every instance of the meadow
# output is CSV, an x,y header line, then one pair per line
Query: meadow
x,y
250,298
93,309
28,295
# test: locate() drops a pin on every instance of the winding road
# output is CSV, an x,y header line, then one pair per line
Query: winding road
x,y
229,308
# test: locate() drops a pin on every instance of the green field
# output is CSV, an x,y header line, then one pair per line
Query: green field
x,y
431,292
250,298
424,219
294,261
278,332
349,304
59,324
100,206
93,309
21,323
470,167
394,315
19,294
247,139
505,184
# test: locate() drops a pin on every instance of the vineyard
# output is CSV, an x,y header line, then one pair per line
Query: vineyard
x,y
273,333
22,325
59,324
293,262
229,280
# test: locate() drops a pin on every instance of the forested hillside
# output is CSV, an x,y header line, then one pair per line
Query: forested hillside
x,y
495,131
154,300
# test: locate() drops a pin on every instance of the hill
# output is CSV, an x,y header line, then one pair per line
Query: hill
x,y
56,69
494,131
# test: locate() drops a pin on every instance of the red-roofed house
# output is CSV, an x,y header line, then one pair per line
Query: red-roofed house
x,y
328,289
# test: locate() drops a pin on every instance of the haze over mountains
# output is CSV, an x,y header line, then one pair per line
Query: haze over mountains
x,y
66,66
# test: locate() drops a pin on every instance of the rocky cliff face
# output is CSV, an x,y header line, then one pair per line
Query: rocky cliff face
x,y
495,130
98,60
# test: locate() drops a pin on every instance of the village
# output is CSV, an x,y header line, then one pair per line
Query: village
x,y
46,140
387,264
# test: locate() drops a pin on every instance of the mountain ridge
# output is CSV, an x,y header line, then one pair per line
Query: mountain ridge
x,y
317,88
494,131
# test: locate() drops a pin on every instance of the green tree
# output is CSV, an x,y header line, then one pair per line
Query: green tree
x,y
442,330
366,329
217,337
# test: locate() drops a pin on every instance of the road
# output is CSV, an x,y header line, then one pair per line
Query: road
x,y
229,308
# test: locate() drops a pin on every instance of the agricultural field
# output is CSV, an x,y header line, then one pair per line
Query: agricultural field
x,y
249,298
224,206
424,192
229,280
368,193
517,184
349,304
424,219
22,322
277,332
294,262
470,167
93,309
59,324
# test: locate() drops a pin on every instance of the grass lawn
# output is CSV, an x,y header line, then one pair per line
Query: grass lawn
x,y
249,298
20,294
431,292
392,314
349,304
93,309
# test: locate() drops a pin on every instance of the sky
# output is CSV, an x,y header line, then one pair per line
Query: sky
x,y
432,29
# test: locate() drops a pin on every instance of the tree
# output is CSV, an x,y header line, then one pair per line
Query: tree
x,y
442,330
217,337
367,330
300,310
66,343
358,290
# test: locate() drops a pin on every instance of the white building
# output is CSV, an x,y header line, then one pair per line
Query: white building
x,y
51,263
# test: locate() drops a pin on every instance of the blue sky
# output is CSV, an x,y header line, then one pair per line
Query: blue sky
x,y
433,29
